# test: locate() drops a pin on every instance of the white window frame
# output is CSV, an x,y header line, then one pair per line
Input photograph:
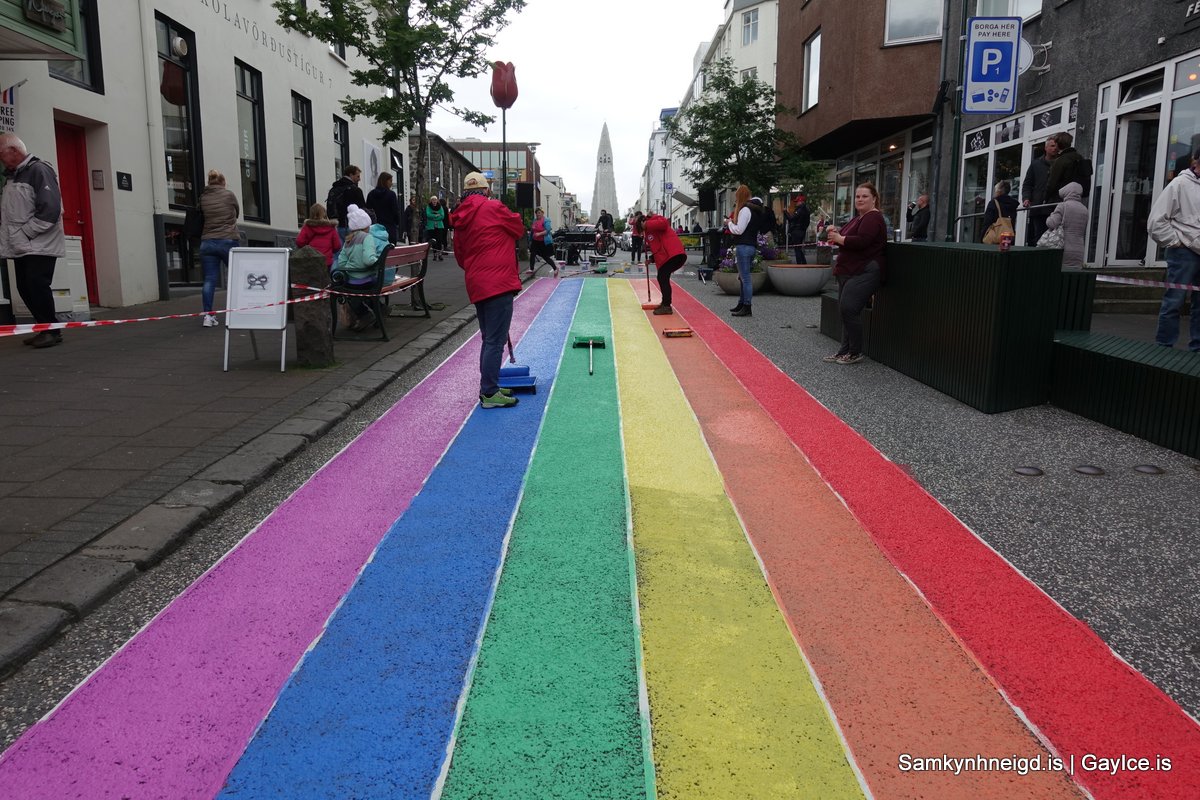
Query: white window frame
x,y
810,94
888,39
1011,9
749,27
749,74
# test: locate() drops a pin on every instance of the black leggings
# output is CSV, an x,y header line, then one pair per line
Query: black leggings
x,y
546,251
853,293
635,248
664,276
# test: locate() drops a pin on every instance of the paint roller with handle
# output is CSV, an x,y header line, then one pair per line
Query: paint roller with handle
x,y
589,342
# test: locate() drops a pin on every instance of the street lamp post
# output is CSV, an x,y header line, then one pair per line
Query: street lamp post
x,y
664,162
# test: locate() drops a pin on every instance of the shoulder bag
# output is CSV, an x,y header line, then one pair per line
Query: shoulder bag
x,y
1002,225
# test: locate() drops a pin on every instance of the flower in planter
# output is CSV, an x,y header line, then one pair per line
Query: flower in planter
x,y
728,261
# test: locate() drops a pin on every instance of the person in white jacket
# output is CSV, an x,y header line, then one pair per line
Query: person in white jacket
x,y
1174,223
1072,216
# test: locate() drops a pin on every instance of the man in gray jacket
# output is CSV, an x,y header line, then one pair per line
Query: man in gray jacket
x,y
31,230
1174,223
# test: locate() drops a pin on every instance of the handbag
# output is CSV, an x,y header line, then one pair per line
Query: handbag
x,y
1053,238
1001,226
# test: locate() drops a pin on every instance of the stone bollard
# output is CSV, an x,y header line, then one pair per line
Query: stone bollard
x,y
314,337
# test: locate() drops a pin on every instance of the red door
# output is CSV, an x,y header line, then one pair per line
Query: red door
x,y
74,179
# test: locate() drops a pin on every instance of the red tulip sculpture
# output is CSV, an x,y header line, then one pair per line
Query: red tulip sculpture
x,y
504,84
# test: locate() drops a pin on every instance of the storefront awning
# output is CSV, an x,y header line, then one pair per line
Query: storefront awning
x,y
859,133
683,198
48,30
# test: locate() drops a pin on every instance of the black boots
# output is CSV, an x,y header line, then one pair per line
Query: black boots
x,y
741,311
738,307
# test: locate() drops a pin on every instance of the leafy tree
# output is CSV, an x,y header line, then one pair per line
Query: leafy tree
x,y
411,48
729,135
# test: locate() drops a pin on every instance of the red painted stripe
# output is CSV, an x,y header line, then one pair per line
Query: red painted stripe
x,y
1081,697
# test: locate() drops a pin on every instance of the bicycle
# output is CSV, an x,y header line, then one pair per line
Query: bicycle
x,y
606,244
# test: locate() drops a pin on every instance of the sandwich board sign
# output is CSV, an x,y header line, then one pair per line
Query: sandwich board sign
x,y
258,287
992,65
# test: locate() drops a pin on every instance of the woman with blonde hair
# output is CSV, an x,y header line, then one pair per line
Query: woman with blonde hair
x,y
320,231
218,236
745,225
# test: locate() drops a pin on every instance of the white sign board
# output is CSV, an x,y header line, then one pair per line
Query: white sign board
x,y
258,277
990,85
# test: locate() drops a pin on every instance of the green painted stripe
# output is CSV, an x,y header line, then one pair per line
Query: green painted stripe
x,y
553,709
734,710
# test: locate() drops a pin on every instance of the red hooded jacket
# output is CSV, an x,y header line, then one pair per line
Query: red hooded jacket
x,y
321,234
662,242
485,237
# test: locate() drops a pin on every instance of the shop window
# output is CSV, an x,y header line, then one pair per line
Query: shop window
x,y
812,72
341,145
913,20
975,197
302,155
1187,73
87,71
252,151
180,117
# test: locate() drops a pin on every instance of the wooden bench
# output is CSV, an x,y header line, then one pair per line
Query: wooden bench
x,y
386,280
1141,388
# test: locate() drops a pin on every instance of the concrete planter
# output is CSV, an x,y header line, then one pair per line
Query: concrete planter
x,y
729,283
798,280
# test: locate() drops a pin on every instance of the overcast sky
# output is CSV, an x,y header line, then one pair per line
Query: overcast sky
x,y
581,65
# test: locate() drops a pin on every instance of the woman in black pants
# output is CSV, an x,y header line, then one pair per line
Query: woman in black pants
x,y
637,230
859,269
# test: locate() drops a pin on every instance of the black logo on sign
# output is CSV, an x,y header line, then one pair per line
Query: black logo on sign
x,y
256,281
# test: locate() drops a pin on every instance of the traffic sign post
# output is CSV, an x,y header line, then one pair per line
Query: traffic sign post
x,y
990,84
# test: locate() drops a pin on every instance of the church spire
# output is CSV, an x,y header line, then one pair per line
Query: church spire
x,y
604,192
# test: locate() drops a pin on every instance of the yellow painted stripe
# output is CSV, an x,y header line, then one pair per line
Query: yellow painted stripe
x,y
733,710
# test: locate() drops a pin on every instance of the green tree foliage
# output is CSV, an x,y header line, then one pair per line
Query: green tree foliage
x,y
411,48
729,135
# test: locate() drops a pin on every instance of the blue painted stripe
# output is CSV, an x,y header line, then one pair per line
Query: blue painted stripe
x,y
371,709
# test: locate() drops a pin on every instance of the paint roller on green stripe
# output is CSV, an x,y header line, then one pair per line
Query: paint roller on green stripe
x,y
589,341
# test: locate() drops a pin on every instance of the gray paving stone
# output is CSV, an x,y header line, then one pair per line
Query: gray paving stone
x,y
25,628
326,410
310,429
246,469
281,446
353,397
148,535
205,494
77,583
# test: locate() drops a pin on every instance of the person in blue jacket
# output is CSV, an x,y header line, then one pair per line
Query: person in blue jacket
x,y
363,246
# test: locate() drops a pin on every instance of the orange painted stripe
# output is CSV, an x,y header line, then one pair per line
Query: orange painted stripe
x,y
1082,698
897,679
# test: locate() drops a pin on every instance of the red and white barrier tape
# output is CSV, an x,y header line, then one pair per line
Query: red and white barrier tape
x,y
318,294
1139,282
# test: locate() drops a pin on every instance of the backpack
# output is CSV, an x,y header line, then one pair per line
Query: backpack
x,y
333,201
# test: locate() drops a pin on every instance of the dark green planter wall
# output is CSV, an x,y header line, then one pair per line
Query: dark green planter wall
x,y
970,321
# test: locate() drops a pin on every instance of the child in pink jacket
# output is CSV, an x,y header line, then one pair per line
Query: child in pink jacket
x,y
320,231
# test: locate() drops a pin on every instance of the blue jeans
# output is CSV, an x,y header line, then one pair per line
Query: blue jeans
x,y
744,253
494,316
1183,266
213,253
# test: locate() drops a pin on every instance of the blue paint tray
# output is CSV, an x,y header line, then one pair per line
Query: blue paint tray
x,y
518,383
513,371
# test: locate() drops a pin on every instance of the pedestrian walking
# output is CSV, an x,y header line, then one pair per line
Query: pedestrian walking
x,y
413,230
486,233
434,215
31,231
541,242
797,221
219,235
1174,223
637,237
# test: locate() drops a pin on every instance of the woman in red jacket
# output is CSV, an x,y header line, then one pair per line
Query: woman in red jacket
x,y
664,249
320,231
485,239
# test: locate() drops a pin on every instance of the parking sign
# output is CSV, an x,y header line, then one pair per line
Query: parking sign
x,y
992,65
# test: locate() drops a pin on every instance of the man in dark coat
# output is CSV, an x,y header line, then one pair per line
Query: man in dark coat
x,y
1033,193
918,219
798,220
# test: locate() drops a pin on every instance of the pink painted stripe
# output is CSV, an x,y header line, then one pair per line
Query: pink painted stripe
x,y
174,709
1076,692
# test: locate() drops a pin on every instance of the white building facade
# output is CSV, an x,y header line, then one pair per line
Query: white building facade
x,y
170,89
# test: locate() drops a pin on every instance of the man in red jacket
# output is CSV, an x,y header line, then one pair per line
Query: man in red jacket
x,y
485,246
665,250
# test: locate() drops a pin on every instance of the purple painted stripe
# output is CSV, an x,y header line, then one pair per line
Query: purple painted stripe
x,y
170,714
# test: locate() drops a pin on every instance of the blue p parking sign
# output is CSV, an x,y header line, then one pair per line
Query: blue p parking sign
x,y
992,68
